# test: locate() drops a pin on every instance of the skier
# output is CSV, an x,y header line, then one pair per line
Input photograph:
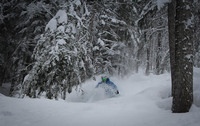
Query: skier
x,y
109,87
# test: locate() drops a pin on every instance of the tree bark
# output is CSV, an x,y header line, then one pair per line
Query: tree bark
x,y
137,62
147,62
181,47
158,57
171,29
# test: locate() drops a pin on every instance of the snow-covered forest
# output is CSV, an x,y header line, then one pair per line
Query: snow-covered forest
x,y
58,49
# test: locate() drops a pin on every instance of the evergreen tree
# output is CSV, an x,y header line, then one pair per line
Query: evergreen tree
x,y
110,44
8,16
61,55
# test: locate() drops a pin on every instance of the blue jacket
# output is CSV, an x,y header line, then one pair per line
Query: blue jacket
x,y
109,84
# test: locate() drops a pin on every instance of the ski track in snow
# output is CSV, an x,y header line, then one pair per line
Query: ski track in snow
x,y
143,100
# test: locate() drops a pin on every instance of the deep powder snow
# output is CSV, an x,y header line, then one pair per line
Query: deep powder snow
x,y
143,100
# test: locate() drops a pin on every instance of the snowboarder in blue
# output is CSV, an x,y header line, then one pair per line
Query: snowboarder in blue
x,y
109,87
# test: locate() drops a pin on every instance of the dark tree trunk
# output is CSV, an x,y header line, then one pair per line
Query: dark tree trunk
x,y
171,28
158,57
181,57
137,63
2,72
147,64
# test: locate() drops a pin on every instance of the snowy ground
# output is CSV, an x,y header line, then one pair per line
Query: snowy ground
x,y
143,101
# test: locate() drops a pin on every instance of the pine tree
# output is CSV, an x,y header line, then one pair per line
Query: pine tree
x,y
8,17
60,55
32,16
109,40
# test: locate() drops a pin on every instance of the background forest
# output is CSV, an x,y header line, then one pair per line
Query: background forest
x,y
49,46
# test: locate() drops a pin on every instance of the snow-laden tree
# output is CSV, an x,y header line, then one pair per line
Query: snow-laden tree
x,y
149,34
80,41
30,23
109,43
143,11
33,18
61,56
8,18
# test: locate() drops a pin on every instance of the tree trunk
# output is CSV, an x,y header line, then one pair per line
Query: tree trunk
x,y
137,62
147,62
181,54
171,28
2,76
164,63
158,57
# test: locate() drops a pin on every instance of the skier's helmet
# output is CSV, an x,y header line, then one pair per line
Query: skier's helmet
x,y
104,78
